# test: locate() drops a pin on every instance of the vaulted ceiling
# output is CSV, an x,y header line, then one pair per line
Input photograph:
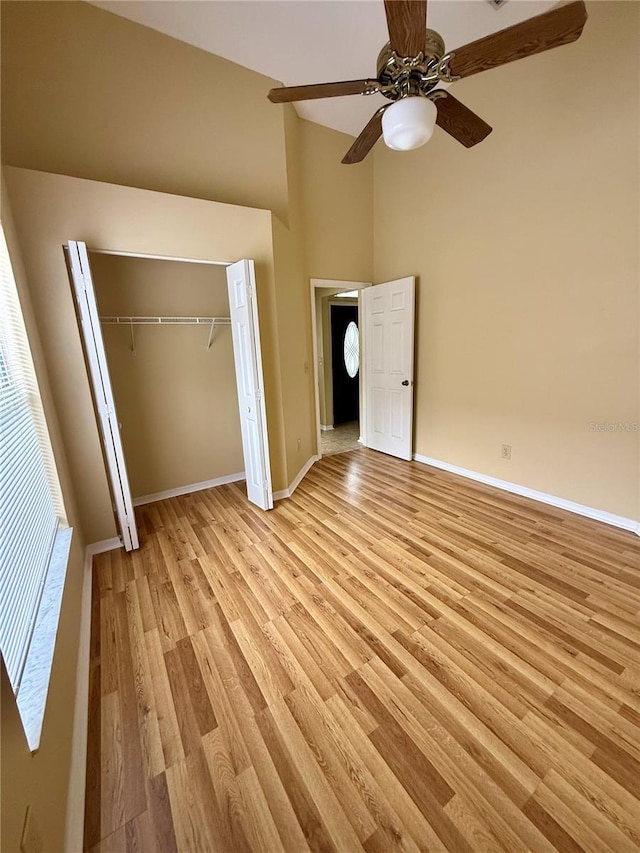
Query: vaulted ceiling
x,y
314,41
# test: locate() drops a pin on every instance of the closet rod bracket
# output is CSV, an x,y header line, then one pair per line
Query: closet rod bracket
x,y
211,331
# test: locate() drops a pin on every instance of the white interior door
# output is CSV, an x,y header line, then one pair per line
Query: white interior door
x,y
102,391
248,359
388,326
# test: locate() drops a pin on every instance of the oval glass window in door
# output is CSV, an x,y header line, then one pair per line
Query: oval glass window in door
x,y
351,350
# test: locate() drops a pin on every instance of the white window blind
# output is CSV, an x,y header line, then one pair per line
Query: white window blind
x,y
31,507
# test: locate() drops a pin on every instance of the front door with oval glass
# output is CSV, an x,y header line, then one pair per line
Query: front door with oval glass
x,y
345,358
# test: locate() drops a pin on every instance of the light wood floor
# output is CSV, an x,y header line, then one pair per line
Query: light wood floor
x,y
392,660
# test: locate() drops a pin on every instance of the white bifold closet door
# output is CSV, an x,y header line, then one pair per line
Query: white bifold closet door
x,y
102,391
245,330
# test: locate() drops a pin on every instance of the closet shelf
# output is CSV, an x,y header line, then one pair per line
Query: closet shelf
x,y
173,321
167,321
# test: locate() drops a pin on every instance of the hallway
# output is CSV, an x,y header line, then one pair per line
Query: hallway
x,y
340,439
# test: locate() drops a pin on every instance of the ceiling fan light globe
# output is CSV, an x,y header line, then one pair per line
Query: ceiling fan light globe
x,y
409,123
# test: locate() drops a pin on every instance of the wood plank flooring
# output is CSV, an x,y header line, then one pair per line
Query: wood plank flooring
x,y
395,659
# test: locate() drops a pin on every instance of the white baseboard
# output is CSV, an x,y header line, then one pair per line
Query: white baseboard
x,y
543,497
286,493
325,427
101,547
74,830
186,490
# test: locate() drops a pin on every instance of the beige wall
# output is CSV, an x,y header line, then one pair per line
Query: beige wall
x,y
294,333
49,210
189,140
90,94
526,249
337,216
177,401
337,206
329,236
40,780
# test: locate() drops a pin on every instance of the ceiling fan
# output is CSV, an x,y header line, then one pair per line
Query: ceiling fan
x,y
414,61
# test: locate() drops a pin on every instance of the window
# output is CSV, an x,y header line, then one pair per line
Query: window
x,y
31,507
351,350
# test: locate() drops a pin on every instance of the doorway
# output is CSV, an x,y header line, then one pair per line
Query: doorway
x,y
386,342
342,382
337,345
244,396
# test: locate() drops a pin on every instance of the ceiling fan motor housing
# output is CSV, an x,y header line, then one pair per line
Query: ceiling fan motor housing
x,y
401,76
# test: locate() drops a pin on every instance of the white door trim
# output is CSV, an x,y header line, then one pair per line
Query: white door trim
x,y
343,285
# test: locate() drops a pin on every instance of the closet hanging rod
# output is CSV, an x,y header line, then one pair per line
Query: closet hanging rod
x,y
168,321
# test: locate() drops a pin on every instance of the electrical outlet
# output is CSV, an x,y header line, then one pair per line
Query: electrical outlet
x,y
506,451
31,836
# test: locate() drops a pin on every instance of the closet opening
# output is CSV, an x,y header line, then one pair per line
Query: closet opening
x,y
176,381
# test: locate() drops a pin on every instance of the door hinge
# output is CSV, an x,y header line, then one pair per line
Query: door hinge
x,y
107,411
250,290
258,394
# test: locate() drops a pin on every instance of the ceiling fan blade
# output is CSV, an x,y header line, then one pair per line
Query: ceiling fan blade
x,y
460,122
407,24
367,139
553,29
285,94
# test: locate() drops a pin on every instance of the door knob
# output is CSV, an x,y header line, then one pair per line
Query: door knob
x,y
406,382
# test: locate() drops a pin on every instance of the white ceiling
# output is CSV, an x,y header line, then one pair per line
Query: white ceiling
x,y
314,41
